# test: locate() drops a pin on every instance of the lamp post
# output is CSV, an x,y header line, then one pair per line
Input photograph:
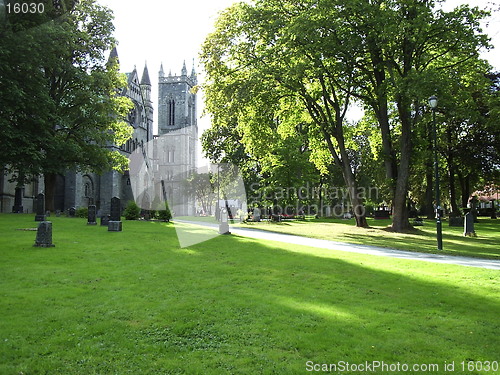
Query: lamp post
x,y
433,101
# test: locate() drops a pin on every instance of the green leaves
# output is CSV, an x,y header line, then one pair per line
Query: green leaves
x,y
60,106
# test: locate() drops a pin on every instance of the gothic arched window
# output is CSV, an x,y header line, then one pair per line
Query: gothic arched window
x,y
171,112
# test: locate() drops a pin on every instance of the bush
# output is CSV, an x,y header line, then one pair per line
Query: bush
x,y
132,211
165,215
82,212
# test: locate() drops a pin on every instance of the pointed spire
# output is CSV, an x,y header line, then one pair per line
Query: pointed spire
x,y
170,73
184,70
145,76
193,72
113,55
161,73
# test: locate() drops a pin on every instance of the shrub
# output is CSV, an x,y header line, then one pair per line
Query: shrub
x,y
132,211
165,215
82,212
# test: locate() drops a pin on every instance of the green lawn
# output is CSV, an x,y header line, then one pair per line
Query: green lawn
x,y
134,302
422,239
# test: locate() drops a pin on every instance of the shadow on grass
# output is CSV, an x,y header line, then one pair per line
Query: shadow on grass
x,y
134,302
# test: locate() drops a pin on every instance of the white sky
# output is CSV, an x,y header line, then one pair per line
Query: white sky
x,y
170,31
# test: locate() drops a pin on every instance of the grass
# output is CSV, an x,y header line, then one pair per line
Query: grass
x,y
422,239
134,302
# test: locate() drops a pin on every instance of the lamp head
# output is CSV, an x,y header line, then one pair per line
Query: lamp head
x,y
433,101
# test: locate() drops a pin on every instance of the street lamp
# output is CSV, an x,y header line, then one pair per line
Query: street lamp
x,y
433,102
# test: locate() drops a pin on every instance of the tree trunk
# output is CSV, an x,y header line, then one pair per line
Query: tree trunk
x,y
465,187
400,219
50,190
455,210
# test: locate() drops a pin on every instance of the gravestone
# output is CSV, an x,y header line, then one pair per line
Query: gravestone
x,y
44,235
58,213
72,212
47,213
91,216
104,220
256,214
418,222
40,207
115,224
456,221
224,226
18,201
469,225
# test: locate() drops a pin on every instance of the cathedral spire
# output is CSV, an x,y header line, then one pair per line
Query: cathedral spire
x,y
161,72
113,55
145,76
193,72
184,70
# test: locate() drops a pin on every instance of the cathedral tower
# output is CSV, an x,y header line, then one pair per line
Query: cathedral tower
x,y
178,136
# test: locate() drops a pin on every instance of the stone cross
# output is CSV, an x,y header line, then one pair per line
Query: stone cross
x,y
469,225
91,216
40,207
115,224
44,235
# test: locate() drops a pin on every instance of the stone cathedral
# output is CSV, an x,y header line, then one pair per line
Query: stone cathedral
x,y
177,138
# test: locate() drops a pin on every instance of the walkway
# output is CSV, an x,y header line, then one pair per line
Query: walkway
x,y
354,248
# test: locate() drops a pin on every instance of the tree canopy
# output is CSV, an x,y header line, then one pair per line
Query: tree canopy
x,y
274,65
60,96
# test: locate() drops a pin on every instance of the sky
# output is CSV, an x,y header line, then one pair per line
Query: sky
x,y
171,32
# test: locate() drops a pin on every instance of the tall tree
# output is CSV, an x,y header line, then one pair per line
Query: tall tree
x,y
402,45
61,107
272,60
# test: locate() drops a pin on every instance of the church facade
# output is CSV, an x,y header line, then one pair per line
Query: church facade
x,y
76,189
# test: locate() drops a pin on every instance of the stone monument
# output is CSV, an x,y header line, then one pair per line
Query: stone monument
x,y
18,201
40,207
44,235
224,226
115,224
469,225
91,216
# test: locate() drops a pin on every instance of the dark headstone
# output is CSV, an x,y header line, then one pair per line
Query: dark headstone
x,y
382,214
44,235
47,213
456,221
91,216
18,201
469,225
418,221
104,220
114,226
40,207
72,212
58,213
115,209
224,226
